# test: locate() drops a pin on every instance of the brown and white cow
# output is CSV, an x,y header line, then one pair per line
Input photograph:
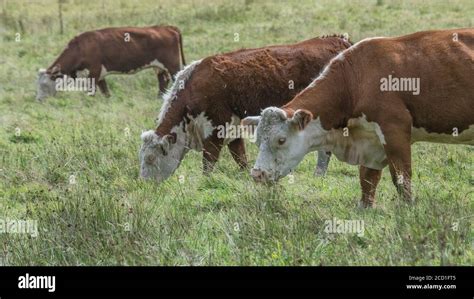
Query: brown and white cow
x,y
219,91
371,103
124,50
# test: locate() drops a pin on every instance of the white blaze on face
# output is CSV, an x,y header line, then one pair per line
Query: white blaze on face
x,y
160,156
45,86
283,142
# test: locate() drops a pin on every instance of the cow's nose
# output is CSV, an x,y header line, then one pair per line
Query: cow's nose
x,y
258,175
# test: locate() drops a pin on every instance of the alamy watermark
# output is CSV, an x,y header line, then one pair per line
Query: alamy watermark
x,y
230,131
28,281
66,83
400,84
19,226
342,226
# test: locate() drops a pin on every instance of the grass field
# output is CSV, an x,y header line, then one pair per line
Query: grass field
x,y
71,163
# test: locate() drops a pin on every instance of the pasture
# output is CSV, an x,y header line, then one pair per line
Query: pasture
x,y
71,163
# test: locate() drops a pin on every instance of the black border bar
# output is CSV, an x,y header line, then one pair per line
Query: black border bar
x,y
191,282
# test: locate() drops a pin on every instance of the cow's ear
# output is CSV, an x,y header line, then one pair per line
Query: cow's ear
x,y
250,121
166,143
170,138
56,70
301,119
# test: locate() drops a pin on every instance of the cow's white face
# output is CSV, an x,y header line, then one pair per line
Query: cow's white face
x,y
160,156
282,142
46,87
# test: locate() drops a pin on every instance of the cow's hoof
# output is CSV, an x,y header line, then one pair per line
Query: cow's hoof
x,y
366,205
320,172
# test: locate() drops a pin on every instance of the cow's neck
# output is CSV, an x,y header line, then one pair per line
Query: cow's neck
x,y
362,146
173,122
68,62
172,118
331,105
194,129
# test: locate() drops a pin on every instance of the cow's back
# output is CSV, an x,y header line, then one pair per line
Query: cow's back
x,y
249,80
442,61
124,49
446,65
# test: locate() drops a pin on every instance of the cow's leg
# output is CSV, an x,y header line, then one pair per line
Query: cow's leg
x,y
398,150
211,150
163,80
237,150
399,162
94,73
103,88
369,179
323,163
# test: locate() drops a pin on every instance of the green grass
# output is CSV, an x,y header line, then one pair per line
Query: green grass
x,y
110,217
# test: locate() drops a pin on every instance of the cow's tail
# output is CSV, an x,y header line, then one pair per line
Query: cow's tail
x,y
181,49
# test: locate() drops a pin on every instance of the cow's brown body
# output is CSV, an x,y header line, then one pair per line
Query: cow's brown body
x,y
241,83
442,112
122,50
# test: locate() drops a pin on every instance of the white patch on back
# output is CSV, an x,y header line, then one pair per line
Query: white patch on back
x,y
171,94
464,137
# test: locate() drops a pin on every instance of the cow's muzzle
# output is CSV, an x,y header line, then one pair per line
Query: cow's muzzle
x,y
260,176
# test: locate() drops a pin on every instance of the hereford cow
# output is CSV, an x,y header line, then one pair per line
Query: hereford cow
x,y
125,50
219,91
371,103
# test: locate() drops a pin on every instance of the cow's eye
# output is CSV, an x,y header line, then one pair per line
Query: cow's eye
x,y
150,159
281,141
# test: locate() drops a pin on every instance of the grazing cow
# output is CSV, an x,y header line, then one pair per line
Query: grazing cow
x,y
371,103
219,91
125,50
